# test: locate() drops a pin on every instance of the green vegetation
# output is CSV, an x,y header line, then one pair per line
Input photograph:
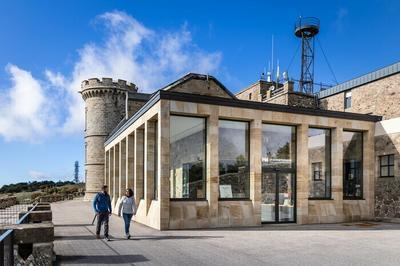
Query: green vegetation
x,y
32,186
32,190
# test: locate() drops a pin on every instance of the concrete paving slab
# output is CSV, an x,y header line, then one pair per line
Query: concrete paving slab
x,y
330,244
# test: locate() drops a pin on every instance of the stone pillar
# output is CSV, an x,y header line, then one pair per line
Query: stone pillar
x,y
302,174
368,173
337,171
116,175
130,156
149,163
111,172
163,163
107,168
256,166
212,165
122,168
138,165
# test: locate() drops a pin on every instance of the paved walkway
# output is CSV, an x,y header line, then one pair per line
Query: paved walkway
x,y
339,244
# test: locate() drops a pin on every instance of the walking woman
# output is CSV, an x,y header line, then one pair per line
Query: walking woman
x,y
128,208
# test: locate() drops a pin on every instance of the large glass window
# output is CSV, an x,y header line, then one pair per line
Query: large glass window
x,y
278,150
234,180
187,157
319,158
352,164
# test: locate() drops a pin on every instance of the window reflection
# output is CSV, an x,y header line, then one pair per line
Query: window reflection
x,y
233,159
187,157
352,164
319,158
278,150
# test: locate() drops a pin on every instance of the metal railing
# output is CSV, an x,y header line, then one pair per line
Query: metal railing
x,y
10,214
7,238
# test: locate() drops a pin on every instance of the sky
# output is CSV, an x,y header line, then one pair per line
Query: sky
x,y
48,47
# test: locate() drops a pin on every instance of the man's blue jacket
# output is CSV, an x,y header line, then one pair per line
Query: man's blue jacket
x,y
102,202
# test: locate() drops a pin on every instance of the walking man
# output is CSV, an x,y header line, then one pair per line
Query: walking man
x,y
102,207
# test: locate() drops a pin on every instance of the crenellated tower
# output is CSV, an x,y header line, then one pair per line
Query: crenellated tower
x,y
106,104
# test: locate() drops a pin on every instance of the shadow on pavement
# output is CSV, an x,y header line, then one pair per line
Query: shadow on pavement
x,y
100,259
71,225
356,226
151,237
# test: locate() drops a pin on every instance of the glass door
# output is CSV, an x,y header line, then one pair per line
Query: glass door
x,y
278,197
278,204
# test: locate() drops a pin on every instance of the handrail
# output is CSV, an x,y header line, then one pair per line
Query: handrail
x,y
5,234
22,219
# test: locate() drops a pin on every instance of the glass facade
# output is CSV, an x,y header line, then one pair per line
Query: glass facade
x,y
352,164
278,173
234,179
187,157
279,146
319,160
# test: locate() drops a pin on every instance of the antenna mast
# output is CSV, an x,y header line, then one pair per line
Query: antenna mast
x,y
306,28
76,176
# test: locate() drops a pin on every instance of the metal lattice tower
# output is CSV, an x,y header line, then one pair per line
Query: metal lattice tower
x,y
76,176
306,29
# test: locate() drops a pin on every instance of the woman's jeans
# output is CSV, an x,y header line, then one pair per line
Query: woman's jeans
x,y
127,220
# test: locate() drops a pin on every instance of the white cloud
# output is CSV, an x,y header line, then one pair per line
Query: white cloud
x,y
129,51
38,175
26,115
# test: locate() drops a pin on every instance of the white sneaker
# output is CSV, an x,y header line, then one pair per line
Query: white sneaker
x,y
128,236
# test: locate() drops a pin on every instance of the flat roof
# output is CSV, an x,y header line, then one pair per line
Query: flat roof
x,y
364,79
195,98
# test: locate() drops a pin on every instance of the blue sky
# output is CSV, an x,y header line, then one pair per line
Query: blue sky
x,y
48,47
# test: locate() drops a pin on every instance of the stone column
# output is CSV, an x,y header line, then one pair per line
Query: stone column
x,y
106,167
116,175
111,172
256,166
138,165
163,163
302,174
212,166
122,168
337,171
109,169
130,156
368,174
149,163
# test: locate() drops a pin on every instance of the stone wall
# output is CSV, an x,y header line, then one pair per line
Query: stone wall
x,y
202,87
387,189
255,92
380,97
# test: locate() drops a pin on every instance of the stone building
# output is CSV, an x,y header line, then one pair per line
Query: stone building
x,y
376,93
197,157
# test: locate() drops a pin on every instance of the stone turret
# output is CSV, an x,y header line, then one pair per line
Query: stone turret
x,y
105,106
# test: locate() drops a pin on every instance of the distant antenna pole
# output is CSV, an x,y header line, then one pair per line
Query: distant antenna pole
x,y
272,56
76,177
306,29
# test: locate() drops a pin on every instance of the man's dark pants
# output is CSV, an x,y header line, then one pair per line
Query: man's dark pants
x,y
102,217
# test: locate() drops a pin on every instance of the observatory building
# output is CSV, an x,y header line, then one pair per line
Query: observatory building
x,y
198,156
